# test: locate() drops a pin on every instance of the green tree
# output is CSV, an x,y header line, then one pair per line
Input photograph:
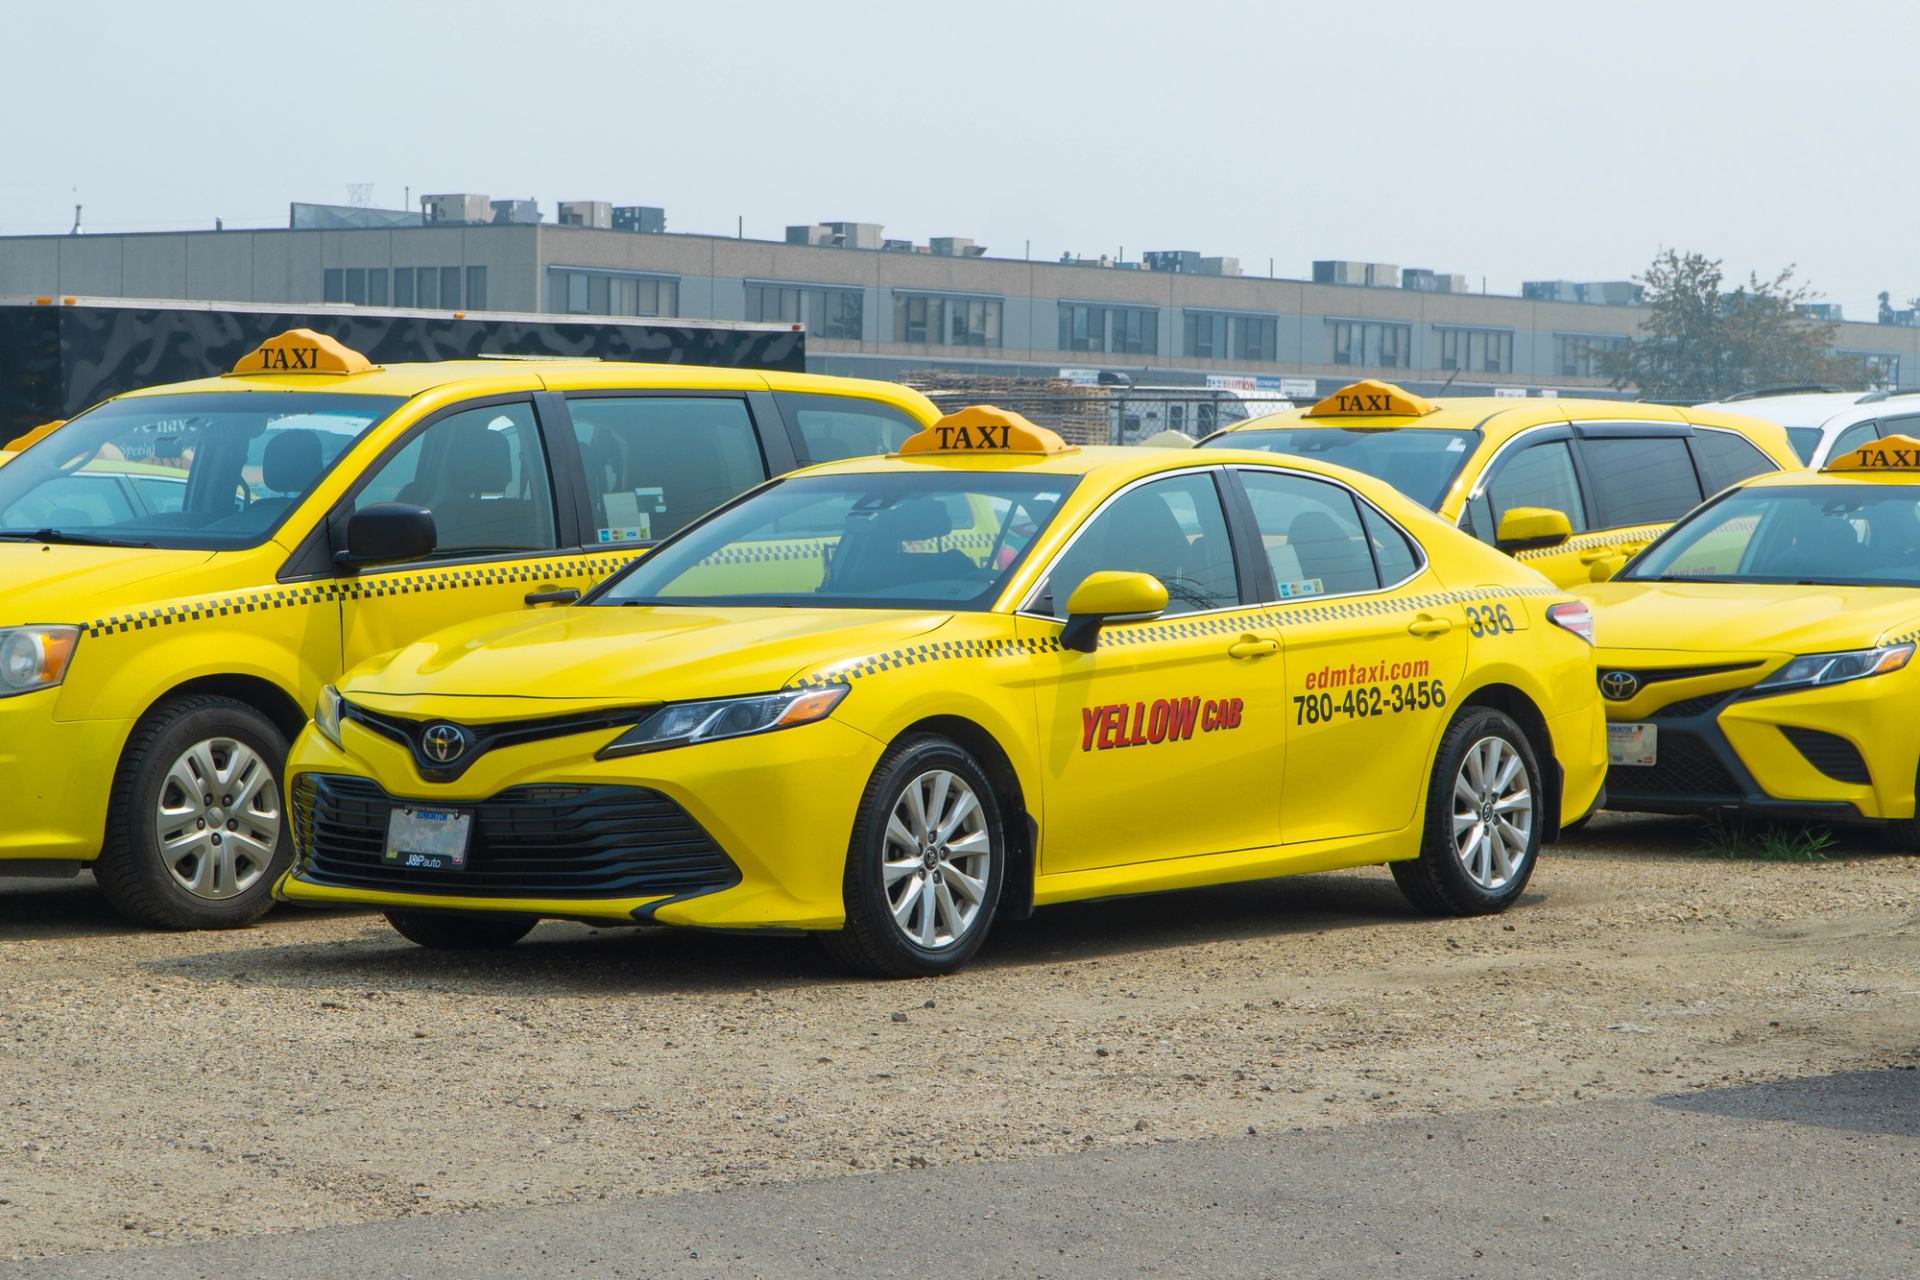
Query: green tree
x,y
1702,342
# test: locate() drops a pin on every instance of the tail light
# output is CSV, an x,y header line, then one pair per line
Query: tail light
x,y
1574,616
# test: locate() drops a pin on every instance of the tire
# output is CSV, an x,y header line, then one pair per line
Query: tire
x,y
1488,875
174,859
461,933
900,854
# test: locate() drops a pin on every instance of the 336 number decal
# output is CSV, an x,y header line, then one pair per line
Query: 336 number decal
x,y
1488,620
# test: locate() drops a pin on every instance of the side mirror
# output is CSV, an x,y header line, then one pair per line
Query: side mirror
x,y
1605,567
1531,528
1109,596
386,532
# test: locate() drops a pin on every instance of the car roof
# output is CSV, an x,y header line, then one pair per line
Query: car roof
x,y
1805,409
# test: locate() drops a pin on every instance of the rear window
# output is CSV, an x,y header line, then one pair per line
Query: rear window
x,y
1419,462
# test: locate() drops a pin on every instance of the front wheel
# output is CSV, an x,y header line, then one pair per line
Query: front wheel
x,y
196,825
460,933
1484,816
925,863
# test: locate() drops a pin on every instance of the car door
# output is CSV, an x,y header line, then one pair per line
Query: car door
x,y
1167,740
1373,654
1539,469
1640,478
484,472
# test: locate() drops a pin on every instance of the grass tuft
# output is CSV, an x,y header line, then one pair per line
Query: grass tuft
x,y
1731,836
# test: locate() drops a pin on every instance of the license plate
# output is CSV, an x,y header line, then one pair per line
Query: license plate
x,y
430,839
1633,744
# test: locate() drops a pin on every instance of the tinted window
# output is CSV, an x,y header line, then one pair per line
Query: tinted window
x,y
1312,535
1393,551
482,474
1540,475
834,427
1727,459
656,463
1173,529
1907,426
1852,438
1805,440
1640,481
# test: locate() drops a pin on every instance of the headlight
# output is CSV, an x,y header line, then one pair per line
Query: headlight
x,y
680,723
326,715
1832,668
34,657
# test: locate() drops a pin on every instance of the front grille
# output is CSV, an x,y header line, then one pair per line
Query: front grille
x,y
534,841
1690,706
1829,753
1687,767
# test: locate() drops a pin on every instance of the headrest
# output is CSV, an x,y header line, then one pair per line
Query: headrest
x,y
482,464
915,520
292,461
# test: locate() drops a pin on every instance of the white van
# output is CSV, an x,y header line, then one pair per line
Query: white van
x,y
1823,423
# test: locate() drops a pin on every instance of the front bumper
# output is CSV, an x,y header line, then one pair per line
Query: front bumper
x,y
58,775
766,823
1844,752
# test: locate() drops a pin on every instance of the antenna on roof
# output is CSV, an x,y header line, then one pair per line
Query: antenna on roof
x,y
359,194
76,221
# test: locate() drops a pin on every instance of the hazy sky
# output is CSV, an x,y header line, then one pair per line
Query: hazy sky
x,y
1505,141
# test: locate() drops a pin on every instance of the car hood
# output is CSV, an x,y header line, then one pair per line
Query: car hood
x,y
1758,619
65,584
586,656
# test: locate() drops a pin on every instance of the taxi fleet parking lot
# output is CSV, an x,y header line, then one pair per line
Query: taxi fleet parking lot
x,y
315,1069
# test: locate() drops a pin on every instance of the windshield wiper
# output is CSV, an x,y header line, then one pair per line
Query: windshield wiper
x,y
69,539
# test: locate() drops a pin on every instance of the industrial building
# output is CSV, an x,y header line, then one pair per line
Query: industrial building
x,y
885,307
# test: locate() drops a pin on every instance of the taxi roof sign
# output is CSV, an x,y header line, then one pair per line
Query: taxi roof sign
x,y
1372,398
1889,453
301,351
981,428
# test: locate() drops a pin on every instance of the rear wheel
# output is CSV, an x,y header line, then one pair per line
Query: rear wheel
x,y
197,828
461,933
1484,817
925,863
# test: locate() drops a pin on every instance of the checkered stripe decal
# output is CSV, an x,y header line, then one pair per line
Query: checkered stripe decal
x,y
815,548
1212,624
421,582
1587,541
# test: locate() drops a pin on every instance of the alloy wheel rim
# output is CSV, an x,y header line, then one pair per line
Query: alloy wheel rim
x,y
937,860
1492,813
218,819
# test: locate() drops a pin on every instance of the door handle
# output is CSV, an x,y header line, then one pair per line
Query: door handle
x,y
1428,625
553,595
1252,647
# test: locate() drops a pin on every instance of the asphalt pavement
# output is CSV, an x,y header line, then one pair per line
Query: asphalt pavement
x,y
1809,1178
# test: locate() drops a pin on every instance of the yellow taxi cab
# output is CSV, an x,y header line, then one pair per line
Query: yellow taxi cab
x,y
186,566
1758,657
1571,487
1157,669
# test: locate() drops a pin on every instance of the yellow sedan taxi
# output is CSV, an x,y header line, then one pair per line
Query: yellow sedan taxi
x,y
1571,487
185,567
1759,657
891,699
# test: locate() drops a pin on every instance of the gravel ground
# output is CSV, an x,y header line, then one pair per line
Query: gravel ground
x,y
317,1069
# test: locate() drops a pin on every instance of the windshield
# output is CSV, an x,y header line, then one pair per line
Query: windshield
x,y
1419,463
1844,535
939,540
208,471
1805,440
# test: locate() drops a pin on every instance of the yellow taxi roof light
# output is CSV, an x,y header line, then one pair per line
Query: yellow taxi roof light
x,y
1372,398
1889,453
981,428
301,351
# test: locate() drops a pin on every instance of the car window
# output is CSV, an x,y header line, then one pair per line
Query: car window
x,y
1726,459
482,475
1174,529
1805,441
158,494
1906,426
76,501
1853,437
1816,533
1645,480
1540,475
656,463
1312,535
1393,550
835,427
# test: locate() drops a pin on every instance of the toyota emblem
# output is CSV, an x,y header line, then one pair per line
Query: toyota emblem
x,y
1618,686
444,743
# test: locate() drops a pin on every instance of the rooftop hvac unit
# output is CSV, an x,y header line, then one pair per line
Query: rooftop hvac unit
x,y
639,217
597,214
519,213
459,209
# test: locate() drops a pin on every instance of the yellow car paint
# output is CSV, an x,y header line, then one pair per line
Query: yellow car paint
x,y
1504,426
155,622
1223,744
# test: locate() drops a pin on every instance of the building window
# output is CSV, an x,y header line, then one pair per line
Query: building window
x,y
450,288
1213,335
426,287
827,313
932,319
403,286
1113,330
333,285
377,286
1370,343
599,293
1578,355
357,286
476,288
1476,350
